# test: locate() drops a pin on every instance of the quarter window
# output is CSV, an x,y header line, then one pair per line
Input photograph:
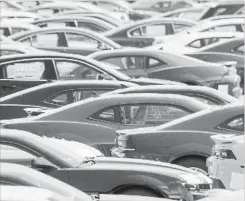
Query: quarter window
x,y
236,124
180,27
154,30
127,63
153,63
112,115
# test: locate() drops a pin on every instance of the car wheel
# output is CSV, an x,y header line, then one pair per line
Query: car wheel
x,y
193,162
138,191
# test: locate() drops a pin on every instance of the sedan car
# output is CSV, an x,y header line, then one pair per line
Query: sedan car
x,y
11,26
175,67
143,32
227,160
89,23
99,117
184,141
99,174
203,94
18,72
66,40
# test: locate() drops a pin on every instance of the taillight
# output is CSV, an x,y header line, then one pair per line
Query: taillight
x,y
223,154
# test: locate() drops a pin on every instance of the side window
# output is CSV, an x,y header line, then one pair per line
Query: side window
x,y
112,115
226,28
180,27
196,44
25,70
44,40
220,11
70,70
71,96
153,30
78,40
90,26
236,124
129,63
153,63
9,52
151,114
163,5
17,30
136,32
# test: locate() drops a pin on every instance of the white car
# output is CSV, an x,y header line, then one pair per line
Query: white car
x,y
193,42
22,16
227,160
227,196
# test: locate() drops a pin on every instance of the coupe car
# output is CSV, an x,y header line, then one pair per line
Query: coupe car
x,y
97,175
143,32
203,94
89,23
175,67
11,26
93,121
184,141
66,40
18,72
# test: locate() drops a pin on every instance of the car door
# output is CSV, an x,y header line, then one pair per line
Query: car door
x,y
50,41
82,44
133,66
21,74
143,36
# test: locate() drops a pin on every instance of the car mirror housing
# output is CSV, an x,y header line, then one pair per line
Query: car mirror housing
x,y
42,164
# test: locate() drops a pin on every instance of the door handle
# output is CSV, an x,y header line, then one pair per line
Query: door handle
x,y
9,86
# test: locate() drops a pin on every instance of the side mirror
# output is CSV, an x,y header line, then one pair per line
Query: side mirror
x,y
104,77
42,165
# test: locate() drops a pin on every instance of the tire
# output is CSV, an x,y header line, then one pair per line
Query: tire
x,y
138,191
194,162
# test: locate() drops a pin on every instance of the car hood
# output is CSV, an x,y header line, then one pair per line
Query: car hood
x,y
185,174
147,81
108,197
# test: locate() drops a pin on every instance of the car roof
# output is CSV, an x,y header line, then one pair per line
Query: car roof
x,y
16,23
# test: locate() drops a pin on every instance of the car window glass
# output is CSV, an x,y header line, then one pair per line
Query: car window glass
x,y
112,115
236,124
162,5
55,24
220,11
45,40
72,96
90,26
127,63
25,70
151,114
205,100
69,70
196,44
153,63
225,28
79,40
9,52
17,30
153,30
179,27
136,32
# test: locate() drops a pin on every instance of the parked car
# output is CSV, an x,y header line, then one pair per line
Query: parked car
x,y
86,174
234,46
110,113
143,32
16,48
18,72
60,93
225,25
203,94
227,160
163,5
10,6
219,9
101,16
175,67
193,42
27,193
11,26
66,40
89,23
227,59
184,141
